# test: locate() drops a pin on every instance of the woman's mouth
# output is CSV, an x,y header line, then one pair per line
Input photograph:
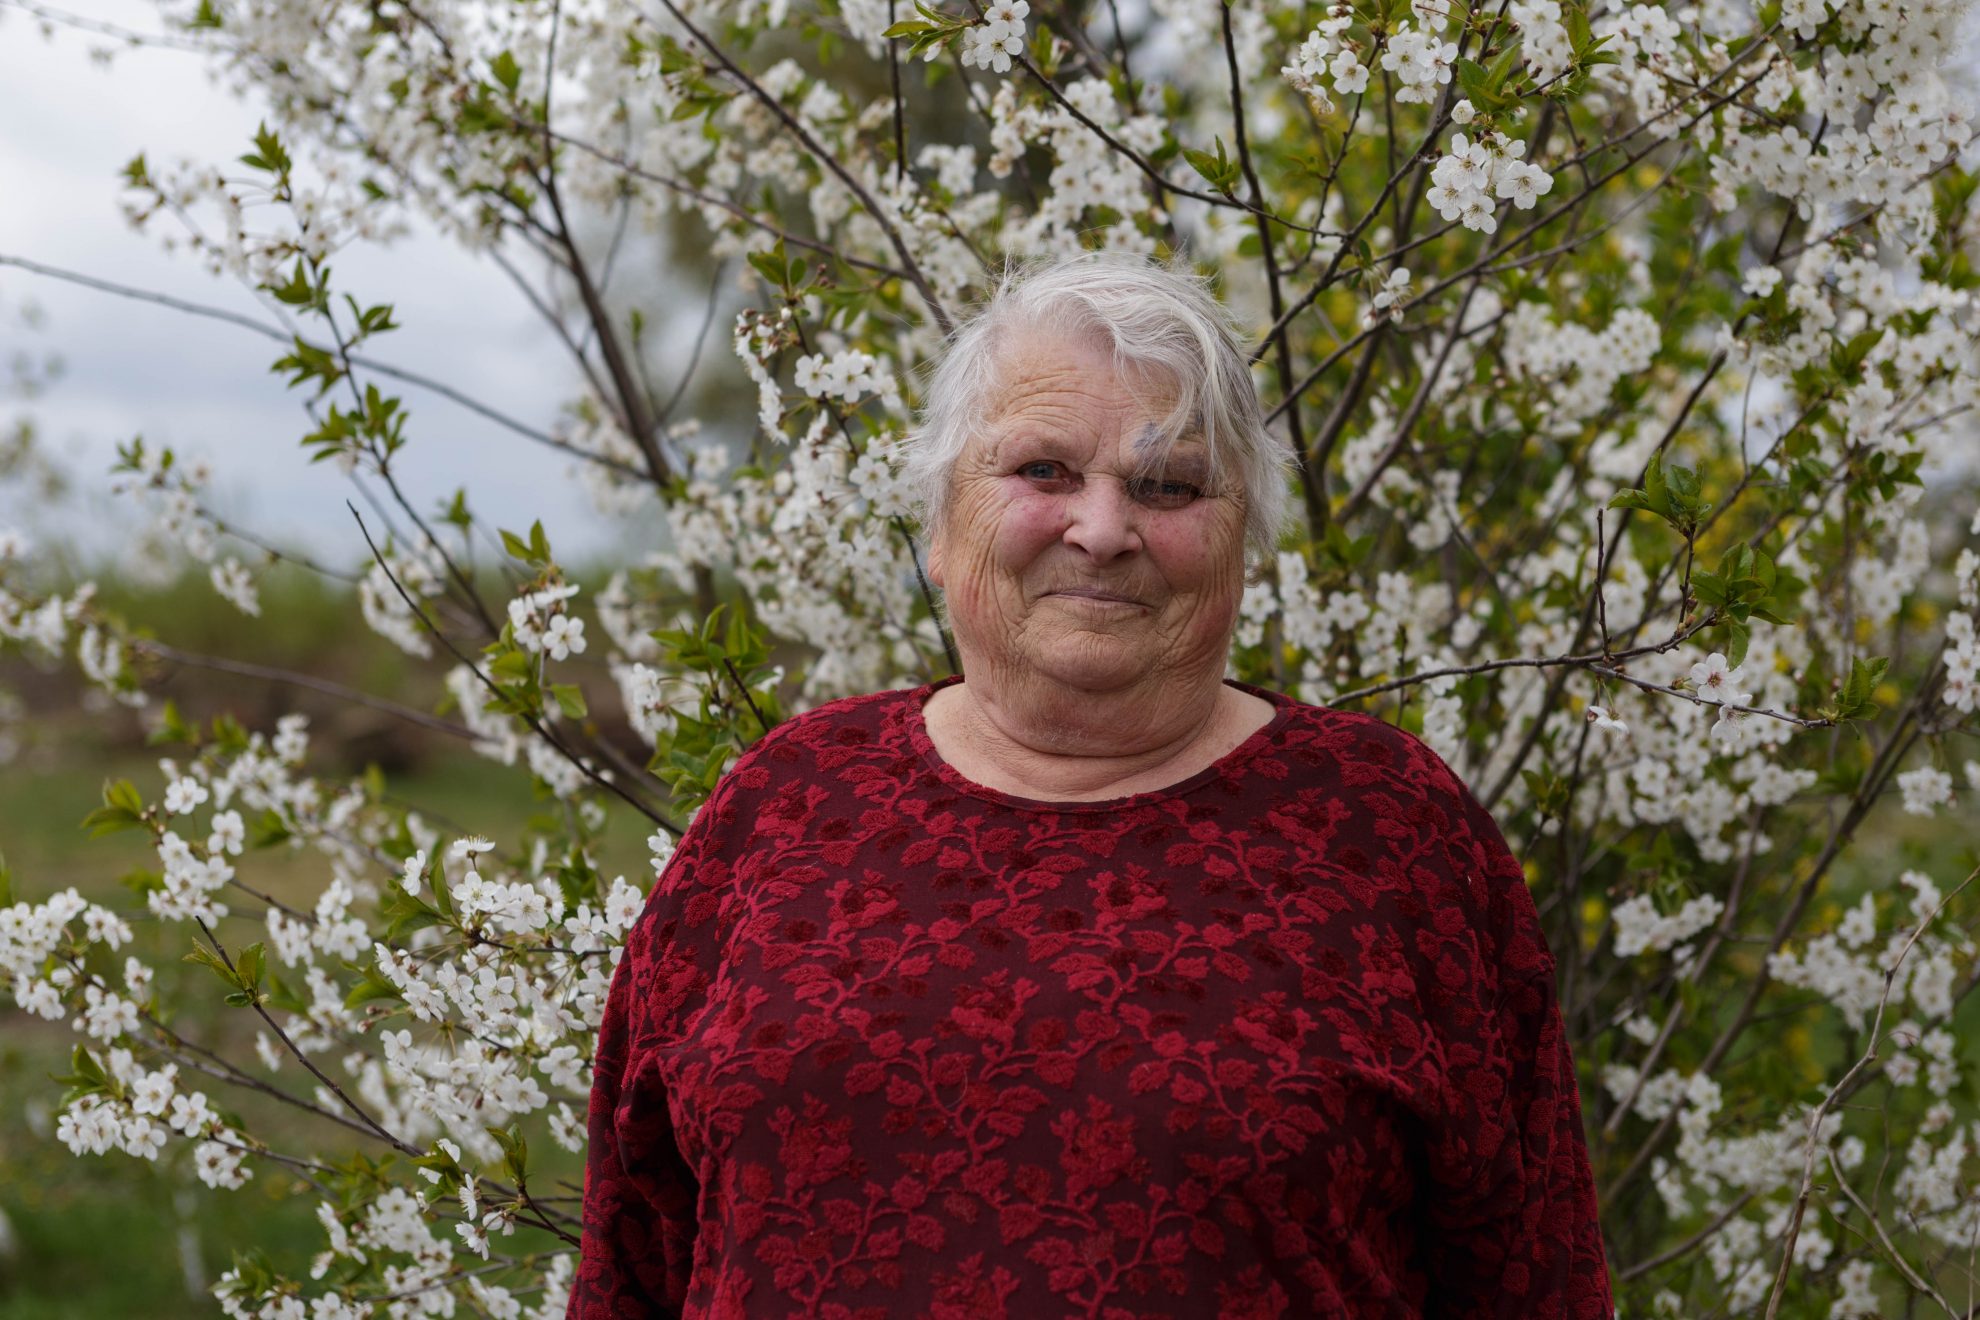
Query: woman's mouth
x,y
1096,595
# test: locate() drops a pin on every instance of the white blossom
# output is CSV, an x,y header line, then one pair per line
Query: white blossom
x,y
1925,789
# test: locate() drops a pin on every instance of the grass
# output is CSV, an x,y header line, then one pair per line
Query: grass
x,y
109,1236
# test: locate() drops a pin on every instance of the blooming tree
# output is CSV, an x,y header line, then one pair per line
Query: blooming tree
x,y
1628,351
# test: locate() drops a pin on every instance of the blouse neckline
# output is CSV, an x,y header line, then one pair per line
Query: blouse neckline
x,y
1261,738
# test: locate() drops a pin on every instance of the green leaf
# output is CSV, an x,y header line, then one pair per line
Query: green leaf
x,y
268,154
229,734
269,830
1476,85
1736,645
1683,485
248,964
280,994
254,1271
86,1066
205,957
1849,357
569,699
507,72
1548,791
141,881
124,794
85,1077
1671,494
771,266
308,362
1503,69
1655,488
373,320
673,58
404,913
1579,33
172,728
122,809
515,1151
1347,553
299,291
443,902
105,820
1854,702
1221,171
371,987
514,664
480,114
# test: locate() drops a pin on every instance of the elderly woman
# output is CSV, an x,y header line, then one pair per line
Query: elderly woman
x,y
1089,982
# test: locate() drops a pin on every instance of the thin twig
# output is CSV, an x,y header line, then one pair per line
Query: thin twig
x,y
246,669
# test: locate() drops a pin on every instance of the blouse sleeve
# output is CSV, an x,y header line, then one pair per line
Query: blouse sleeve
x,y
1512,1225
637,1246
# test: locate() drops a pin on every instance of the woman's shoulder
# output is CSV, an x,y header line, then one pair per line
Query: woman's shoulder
x,y
1393,773
828,730
1424,805
1368,749
784,759
843,718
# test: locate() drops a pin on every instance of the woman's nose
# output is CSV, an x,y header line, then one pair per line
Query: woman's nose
x,y
1102,519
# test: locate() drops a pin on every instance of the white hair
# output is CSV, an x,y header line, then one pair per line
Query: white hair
x,y
1162,323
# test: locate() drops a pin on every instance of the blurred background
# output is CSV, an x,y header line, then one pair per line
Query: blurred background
x,y
94,355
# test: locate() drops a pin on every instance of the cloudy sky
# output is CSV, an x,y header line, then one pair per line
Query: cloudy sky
x,y
68,124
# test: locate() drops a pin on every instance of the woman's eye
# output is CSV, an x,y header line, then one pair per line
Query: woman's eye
x,y
1153,492
1164,494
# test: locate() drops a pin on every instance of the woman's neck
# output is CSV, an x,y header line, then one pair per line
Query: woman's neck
x,y
1075,747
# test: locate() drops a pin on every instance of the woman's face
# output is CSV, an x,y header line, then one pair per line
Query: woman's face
x,y
1044,506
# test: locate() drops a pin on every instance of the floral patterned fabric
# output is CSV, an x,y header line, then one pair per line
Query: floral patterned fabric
x,y
1278,1040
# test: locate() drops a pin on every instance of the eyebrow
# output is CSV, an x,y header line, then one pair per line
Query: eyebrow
x,y
1187,455
1011,443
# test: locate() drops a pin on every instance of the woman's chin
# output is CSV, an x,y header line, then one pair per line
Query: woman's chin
x,y
1091,664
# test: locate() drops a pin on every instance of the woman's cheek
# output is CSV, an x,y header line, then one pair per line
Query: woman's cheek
x,y
1030,522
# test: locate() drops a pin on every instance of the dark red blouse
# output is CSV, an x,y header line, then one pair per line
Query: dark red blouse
x,y
1278,1040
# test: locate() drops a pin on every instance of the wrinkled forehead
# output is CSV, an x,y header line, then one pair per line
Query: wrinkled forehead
x,y
1051,384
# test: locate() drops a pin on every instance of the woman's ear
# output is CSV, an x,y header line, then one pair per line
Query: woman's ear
x,y
935,560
